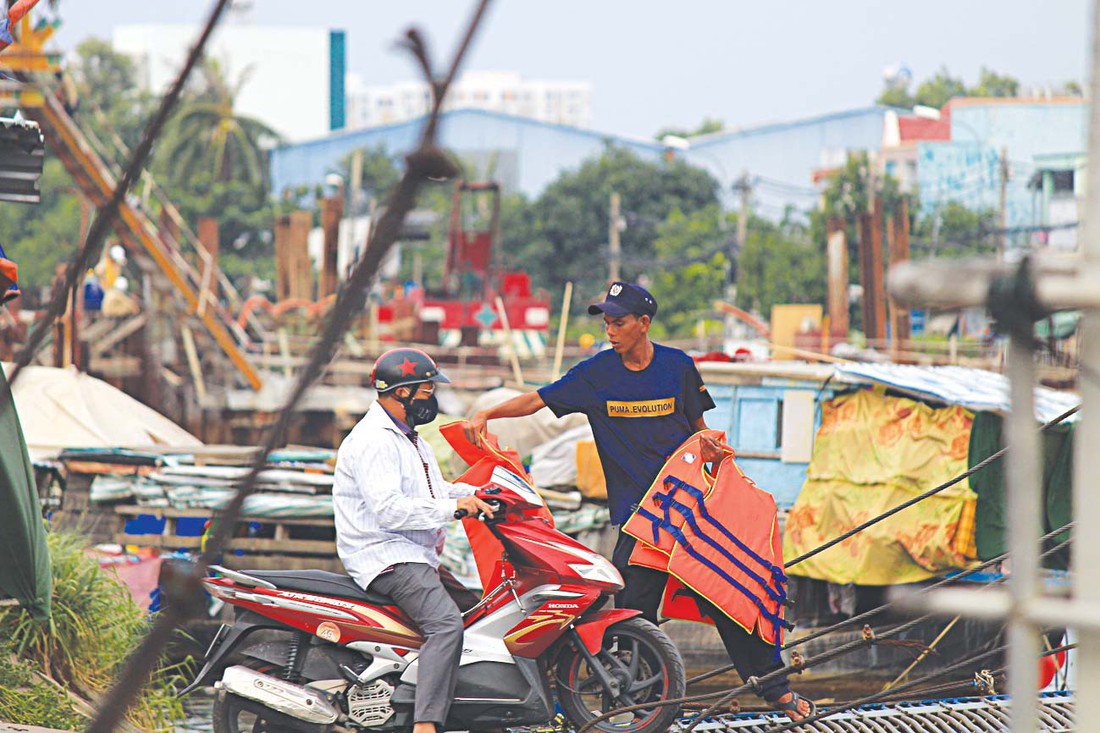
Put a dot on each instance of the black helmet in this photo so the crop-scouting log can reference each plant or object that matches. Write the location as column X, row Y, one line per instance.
column 401, row 367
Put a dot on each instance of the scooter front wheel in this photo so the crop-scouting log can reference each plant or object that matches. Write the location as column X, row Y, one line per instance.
column 638, row 665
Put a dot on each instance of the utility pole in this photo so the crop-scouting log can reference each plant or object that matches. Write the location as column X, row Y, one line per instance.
column 1002, row 221
column 836, row 257
column 614, row 226
column 743, row 186
column 897, row 230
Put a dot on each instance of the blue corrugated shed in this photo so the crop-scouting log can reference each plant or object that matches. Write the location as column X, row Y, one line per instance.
column 527, row 154
column 782, row 157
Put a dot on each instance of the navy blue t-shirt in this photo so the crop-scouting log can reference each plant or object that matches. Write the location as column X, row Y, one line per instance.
column 638, row 418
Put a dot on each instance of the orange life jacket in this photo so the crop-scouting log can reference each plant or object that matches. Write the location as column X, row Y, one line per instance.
column 717, row 535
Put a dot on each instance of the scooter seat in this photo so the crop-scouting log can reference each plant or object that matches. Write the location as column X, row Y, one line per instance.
column 321, row 582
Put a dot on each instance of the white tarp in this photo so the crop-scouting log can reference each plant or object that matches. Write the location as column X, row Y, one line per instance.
column 64, row 408
column 555, row 463
column 524, row 434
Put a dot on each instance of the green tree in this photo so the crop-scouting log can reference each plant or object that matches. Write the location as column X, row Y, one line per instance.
column 896, row 96
column 211, row 135
column 780, row 263
column 953, row 230
column 992, row 84
column 708, row 126
column 691, row 266
column 939, row 90
column 378, row 172
column 1070, row 89
column 39, row 236
column 568, row 239
column 109, row 101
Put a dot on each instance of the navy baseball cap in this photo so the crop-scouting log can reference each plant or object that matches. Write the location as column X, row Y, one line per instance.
column 623, row 299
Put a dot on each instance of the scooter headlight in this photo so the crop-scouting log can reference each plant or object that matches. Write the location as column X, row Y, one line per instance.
column 599, row 570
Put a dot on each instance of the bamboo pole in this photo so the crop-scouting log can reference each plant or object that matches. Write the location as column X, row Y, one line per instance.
column 560, row 347
column 931, row 647
column 193, row 363
column 513, row 356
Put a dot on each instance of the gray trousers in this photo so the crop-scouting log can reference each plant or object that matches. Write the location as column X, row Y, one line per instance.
column 419, row 591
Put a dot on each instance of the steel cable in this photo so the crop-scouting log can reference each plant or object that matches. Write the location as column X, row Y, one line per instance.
column 725, row 696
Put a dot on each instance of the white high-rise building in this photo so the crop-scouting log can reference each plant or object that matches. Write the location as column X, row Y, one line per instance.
column 559, row 102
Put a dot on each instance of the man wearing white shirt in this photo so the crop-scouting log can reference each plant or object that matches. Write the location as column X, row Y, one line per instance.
column 391, row 506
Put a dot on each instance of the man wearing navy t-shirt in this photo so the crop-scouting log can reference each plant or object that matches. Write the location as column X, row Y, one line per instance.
column 643, row 400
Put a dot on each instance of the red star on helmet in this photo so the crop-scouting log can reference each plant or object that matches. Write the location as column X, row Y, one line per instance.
column 408, row 367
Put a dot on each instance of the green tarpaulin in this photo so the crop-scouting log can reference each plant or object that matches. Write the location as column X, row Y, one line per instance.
column 24, row 559
column 991, row 518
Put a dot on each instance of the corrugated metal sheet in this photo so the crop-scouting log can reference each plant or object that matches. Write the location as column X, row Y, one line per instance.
column 974, row 715
column 974, row 389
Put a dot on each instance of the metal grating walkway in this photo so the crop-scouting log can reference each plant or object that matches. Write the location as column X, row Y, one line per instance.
column 958, row 715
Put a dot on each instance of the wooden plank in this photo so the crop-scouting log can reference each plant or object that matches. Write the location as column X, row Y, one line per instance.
column 332, row 211
column 114, row 469
column 253, row 544
column 135, row 511
column 283, row 562
column 115, row 366
column 126, row 328
column 193, row 363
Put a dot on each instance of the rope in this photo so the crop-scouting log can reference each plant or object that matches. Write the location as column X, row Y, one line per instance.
column 875, row 611
column 905, row 687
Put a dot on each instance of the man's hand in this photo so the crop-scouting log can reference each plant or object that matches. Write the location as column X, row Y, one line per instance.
column 473, row 505
column 475, row 428
column 711, row 450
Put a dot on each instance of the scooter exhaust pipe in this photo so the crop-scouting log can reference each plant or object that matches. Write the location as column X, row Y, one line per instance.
column 285, row 697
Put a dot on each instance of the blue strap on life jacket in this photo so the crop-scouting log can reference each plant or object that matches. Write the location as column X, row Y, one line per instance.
column 776, row 571
column 776, row 620
column 667, row 502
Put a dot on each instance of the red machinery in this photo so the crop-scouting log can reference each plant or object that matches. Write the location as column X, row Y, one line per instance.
column 473, row 279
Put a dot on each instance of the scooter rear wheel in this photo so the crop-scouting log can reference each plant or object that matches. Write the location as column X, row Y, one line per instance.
column 648, row 669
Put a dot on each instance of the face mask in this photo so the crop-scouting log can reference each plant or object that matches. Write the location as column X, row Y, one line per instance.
column 421, row 411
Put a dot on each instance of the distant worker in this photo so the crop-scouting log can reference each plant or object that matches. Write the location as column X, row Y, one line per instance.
column 643, row 400
column 392, row 504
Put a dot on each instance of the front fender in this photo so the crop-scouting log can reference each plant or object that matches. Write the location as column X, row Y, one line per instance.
column 591, row 628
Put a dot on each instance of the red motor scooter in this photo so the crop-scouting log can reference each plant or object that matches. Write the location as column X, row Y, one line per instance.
column 334, row 656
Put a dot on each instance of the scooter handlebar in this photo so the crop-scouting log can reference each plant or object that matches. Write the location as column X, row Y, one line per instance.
column 496, row 505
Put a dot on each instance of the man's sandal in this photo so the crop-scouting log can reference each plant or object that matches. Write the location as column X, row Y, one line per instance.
column 791, row 706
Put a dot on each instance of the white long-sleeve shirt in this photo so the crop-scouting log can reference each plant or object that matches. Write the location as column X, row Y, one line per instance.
column 386, row 512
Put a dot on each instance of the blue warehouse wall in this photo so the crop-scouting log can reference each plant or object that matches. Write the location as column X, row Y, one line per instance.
column 525, row 154
column 783, row 157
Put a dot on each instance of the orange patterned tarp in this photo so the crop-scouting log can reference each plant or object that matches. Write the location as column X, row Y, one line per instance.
column 872, row 453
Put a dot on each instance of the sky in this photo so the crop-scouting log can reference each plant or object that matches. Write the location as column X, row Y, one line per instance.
column 656, row 64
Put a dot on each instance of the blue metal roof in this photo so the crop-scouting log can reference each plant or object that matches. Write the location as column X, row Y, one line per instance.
column 539, row 151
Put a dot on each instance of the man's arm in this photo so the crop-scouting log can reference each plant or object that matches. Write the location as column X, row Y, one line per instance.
column 518, row 406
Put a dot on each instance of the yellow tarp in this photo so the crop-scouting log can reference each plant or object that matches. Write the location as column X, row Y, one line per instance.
column 590, row 478
column 871, row 454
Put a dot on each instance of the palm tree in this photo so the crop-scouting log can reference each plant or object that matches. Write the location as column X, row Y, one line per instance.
column 210, row 135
